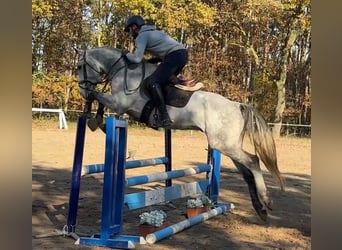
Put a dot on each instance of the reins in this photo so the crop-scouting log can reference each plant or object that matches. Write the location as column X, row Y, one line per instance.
column 131, row 91
column 107, row 77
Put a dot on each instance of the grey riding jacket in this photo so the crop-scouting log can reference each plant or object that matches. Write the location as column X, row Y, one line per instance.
column 157, row 42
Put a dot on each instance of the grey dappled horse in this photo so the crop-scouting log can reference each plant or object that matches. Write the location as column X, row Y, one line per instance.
column 223, row 121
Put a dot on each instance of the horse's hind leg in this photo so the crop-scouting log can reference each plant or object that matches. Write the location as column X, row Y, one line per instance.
column 248, row 177
column 249, row 167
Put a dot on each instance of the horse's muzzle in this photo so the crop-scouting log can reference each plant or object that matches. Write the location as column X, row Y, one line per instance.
column 86, row 91
column 83, row 91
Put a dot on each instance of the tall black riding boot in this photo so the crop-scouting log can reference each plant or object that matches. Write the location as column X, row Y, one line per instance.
column 158, row 100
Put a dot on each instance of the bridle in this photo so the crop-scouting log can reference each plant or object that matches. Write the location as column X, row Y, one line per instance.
column 104, row 77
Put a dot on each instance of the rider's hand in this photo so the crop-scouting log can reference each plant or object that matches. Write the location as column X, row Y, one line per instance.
column 154, row 60
column 124, row 52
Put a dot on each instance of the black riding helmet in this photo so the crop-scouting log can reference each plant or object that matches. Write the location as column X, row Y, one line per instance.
column 137, row 20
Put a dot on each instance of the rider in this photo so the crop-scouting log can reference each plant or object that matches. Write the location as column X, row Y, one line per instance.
column 172, row 54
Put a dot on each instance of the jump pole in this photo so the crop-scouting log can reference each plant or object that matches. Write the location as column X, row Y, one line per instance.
column 180, row 226
column 99, row 168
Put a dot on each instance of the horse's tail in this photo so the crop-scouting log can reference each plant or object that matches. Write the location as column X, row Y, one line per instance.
column 260, row 135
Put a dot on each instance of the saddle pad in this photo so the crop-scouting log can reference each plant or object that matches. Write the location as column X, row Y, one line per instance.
column 198, row 86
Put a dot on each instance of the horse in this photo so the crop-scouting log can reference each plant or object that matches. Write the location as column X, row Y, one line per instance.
column 223, row 121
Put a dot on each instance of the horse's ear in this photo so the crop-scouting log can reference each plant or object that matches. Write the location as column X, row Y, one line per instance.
column 78, row 51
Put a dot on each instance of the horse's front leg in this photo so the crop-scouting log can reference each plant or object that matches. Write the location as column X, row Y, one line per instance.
column 87, row 108
column 104, row 100
column 94, row 122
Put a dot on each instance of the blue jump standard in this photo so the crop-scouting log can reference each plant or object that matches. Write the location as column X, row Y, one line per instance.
column 76, row 175
column 113, row 191
column 114, row 199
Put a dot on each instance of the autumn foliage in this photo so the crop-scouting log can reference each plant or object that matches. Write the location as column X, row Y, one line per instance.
column 256, row 52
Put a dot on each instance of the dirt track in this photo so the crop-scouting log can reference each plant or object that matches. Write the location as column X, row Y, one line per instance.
column 288, row 226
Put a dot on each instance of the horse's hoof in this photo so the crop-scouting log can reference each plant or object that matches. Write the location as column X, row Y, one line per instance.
column 262, row 214
column 269, row 204
column 92, row 124
column 103, row 127
column 87, row 115
column 99, row 119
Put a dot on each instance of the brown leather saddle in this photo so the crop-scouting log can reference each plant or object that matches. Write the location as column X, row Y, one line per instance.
column 177, row 94
column 179, row 81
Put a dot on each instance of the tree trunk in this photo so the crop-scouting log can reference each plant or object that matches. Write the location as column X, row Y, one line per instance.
column 66, row 101
column 278, row 115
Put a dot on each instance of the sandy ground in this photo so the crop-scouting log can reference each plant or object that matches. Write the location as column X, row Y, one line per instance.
column 289, row 225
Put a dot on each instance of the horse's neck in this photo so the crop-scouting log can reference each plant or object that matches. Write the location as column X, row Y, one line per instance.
column 142, row 69
column 126, row 95
column 149, row 68
column 132, row 104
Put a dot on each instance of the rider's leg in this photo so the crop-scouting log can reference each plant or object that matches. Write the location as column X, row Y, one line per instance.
column 176, row 62
column 174, row 80
column 173, row 63
column 158, row 100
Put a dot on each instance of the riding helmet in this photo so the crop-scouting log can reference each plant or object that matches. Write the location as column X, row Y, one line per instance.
column 137, row 20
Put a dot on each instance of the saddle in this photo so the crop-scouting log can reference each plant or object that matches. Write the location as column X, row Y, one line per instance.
column 181, row 82
column 177, row 94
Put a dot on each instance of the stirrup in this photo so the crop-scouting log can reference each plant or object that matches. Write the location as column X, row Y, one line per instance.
column 159, row 123
column 166, row 123
column 165, row 120
column 162, row 123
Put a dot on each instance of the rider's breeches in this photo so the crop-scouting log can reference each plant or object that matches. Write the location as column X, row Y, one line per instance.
column 172, row 64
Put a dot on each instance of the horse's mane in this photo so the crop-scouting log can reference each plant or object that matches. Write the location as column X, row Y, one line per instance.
column 106, row 48
column 115, row 50
column 103, row 54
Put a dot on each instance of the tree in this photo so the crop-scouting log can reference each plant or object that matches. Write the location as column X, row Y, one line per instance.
column 255, row 51
column 295, row 17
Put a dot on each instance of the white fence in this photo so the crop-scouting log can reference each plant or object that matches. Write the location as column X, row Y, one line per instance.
column 62, row 124
column 292, row 129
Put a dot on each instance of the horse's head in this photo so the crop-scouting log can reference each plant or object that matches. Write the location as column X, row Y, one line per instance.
column 95, row 66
